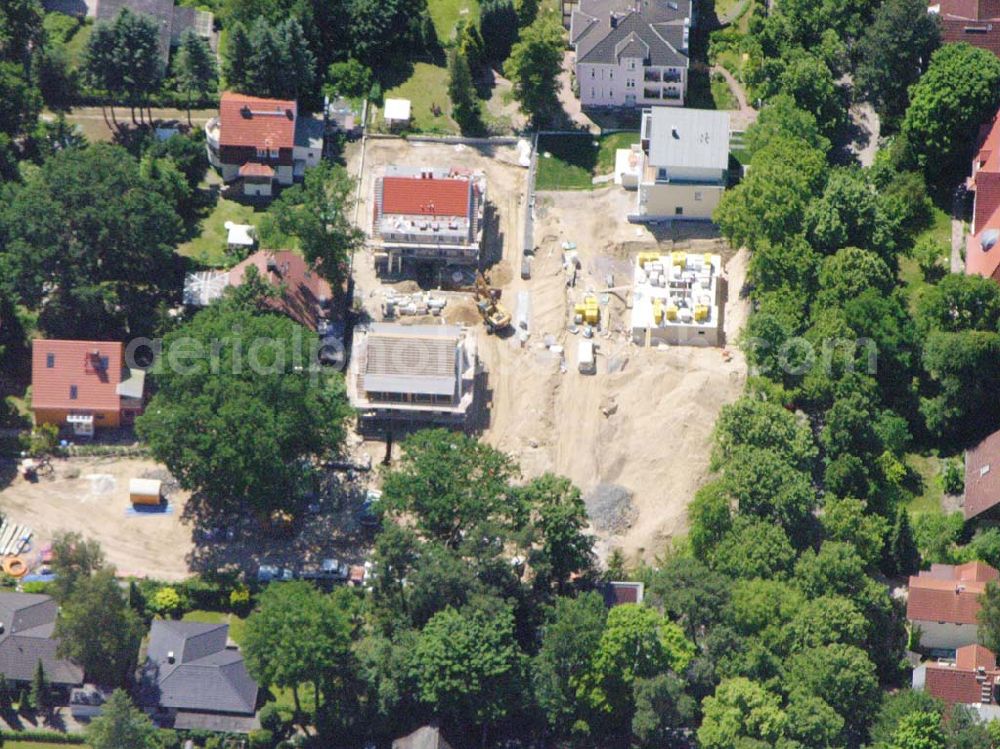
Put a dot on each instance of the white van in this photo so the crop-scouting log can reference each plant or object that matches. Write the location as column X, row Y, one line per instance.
column 586, row 361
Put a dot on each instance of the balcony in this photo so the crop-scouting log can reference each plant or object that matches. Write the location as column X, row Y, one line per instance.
column 652, row 76
column 672, row 76
column 651, row 93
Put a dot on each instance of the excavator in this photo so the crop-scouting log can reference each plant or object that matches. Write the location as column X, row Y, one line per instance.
column 495, row 315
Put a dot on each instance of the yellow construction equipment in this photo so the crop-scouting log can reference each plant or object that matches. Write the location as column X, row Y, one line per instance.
column 495, row 315
column 700, row 312
column 671, row 312
column 657, row 311
column 589, row 309
column 678, row 257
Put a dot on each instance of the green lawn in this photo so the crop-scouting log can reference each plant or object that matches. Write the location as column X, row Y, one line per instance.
column 927, row 468
column 446, row 13
column 570, row 162
column 209, row 247
column 237, row 625
column 427, row 88
column 76, row 45
column 722, row 95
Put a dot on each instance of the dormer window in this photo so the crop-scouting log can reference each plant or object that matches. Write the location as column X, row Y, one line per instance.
column 72, row 392
column 50, row 361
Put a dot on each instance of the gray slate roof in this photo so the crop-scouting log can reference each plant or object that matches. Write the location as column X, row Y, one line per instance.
column 204, row 675
column 28, row 623
column 418, row 359
column 697, row 138
column 657, row 23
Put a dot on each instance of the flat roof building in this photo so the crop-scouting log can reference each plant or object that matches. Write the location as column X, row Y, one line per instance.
column 681, row 164
column 421, row 373
column 676, row 299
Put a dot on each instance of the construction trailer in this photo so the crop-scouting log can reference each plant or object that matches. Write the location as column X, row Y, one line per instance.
column 676, row 299
column 145, row 491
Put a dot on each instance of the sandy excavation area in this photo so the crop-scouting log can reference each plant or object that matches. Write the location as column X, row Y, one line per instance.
column 90, row 496
column 645, row 426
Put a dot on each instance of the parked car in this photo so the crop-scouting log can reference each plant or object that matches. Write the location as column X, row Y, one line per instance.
column 268, row 573
column 330, row 569
column 368, row 514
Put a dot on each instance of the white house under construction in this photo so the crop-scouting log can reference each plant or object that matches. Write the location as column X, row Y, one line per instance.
column 676, row 299
column 428, row 214
column 415, row 373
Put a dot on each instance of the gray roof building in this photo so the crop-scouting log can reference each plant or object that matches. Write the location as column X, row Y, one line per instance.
column 686, row 139
column 27, row 623
column 196, row 680
column 604, row 31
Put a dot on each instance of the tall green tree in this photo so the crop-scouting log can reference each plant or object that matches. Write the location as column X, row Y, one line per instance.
column 237, row 417
column 318, row 214
column 498, row 24
column 466, row 666
column 97, row 629
column 41, row 696
column 894, row 51
column 462, row 92
column 270, row 59
column 74, row 558
column 299, row 636
column 451, row 483
column 959, row 92
column 194, row 67
column 741, row 709
column 533, row 66
column 121, row 725
column 93, row 273
column 20, row 29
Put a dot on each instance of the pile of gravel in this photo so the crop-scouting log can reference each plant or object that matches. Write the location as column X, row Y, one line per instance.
column 610, row 508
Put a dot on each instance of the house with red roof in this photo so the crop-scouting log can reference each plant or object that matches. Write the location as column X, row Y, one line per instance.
column 982, row 256
column 84, row 385
column 428, row 215
column 303, row 294
column 259, row 143
column 971, row 679
column 976, row 22
column 982, row 479
column 943, row 603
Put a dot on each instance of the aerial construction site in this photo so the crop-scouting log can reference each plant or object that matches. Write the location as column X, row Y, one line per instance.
column 616, row 358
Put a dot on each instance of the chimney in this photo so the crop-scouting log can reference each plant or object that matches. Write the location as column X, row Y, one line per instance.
column 170, row 657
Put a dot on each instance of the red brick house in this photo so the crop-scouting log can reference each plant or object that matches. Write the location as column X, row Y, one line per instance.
column 262, row 142
column 982, row 255
column 84, row 385
column 943, row 602
column 976, row 22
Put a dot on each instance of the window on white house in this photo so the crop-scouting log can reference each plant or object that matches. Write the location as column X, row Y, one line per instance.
column 631, row 64
column 697, row 196
column 261, row 153
column 593, row 73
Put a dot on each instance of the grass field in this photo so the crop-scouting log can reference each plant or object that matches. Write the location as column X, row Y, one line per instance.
column 574, row 160
column 722, row 95
column 427, row 88
column 237, row 626
column 909, row 272
column 209, row 247
column 446, row 13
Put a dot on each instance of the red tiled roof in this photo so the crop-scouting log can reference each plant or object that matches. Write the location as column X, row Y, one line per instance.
column 982, row 477
column 418, row 196
column 951, row 685
column 258, row 123
column 972, row 657
column 75, row 363
column 948, row 593
column 252, row 169
column 957, row 682
column 985, row 181
column 305, row 289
